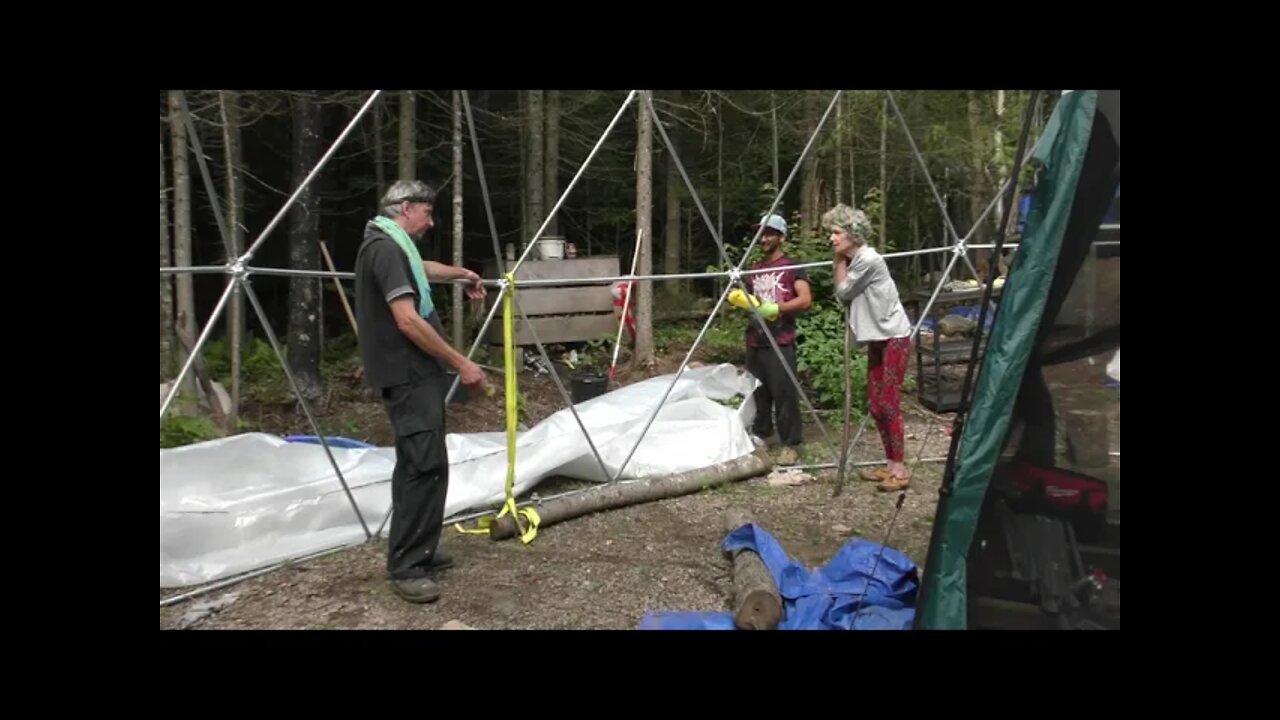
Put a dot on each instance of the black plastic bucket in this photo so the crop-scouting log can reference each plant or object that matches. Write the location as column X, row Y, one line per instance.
column 585, row 385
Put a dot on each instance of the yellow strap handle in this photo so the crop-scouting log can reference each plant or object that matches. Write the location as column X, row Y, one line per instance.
column 484, row 524
column 529, row 531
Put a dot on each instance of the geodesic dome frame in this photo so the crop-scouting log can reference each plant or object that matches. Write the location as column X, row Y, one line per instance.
column 239, row 270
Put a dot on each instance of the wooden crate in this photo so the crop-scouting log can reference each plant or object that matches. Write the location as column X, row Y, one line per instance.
column 559, row 314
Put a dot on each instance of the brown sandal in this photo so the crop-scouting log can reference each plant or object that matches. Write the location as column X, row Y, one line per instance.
column 895, row 483
column 877, row 475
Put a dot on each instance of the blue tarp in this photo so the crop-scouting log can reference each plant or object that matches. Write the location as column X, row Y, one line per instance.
column 971, row 312
column 968, row 312
column 842, row 595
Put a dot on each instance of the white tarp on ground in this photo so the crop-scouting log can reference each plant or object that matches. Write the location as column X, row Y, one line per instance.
column 240, row 503
column 1113, row 367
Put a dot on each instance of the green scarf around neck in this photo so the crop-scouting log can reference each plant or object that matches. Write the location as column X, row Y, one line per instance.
column 397, row 233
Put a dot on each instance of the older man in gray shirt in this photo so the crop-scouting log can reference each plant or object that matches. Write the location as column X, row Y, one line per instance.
column 407, row 359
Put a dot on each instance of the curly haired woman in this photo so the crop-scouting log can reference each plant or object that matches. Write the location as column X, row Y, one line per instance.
column 878, row 321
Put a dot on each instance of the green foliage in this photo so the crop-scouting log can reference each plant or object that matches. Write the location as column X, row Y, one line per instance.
column 176, row 431
column 723, row 343
column 873, row 206
column 806, row 248
column 522, row 408
column 820, row 356
column 261, row 376
column 341, row 356
column 258, row 362
column 594, row 355
column 217, row 359
column 670, row 334
column 725, row 339
column 673, row 296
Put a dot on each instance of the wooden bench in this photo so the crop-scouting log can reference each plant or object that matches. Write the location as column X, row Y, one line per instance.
column 560, row 314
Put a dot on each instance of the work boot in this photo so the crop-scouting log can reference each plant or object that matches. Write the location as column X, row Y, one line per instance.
column 440, row 559
column 416, row 590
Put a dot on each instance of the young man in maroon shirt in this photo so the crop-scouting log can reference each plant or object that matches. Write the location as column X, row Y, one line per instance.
column 788, row 289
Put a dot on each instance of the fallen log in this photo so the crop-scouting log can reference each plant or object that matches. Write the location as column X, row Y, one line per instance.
column 609, row 497
column 756, row 603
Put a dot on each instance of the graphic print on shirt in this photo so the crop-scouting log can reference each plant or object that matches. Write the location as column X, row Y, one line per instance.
column 770, row 288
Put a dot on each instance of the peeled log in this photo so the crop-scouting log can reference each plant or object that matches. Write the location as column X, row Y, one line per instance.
column 609, row 497
column 756, row 603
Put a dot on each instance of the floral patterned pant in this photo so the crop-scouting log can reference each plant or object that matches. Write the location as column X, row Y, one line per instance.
column 886, row 369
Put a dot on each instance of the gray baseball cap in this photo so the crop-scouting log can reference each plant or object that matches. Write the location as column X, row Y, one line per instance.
column 773, row 221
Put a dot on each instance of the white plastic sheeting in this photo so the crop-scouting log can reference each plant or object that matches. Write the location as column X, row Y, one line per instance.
column 236, row 504
column 1113, row 367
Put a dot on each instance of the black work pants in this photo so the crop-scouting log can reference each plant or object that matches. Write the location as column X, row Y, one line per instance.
column 776, row 392
column 420, row 480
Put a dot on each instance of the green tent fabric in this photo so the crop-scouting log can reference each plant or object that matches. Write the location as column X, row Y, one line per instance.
column 1062, row 151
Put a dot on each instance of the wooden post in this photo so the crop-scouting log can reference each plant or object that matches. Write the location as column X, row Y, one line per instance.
column 337, row 284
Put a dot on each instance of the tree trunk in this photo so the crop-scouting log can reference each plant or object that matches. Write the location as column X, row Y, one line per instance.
column 458, row 335
column 379, row 170
column 643, row 356
column 756, row 602
column 526, row 232
column 229, row 102
column 611, row 496
column 809, row 185
column 997, row 157
column 719, row 173
column 185, row 322
column 671, row 236
column 853, row 139
column 408, row 156
column 915, row 227
column 552, row 165
column 978, row 194
column 671, row 247
column 166, row 281
column 884, row 175
column 840, row 150
column 773, row 113
column 303, row 346
column 535, row 180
